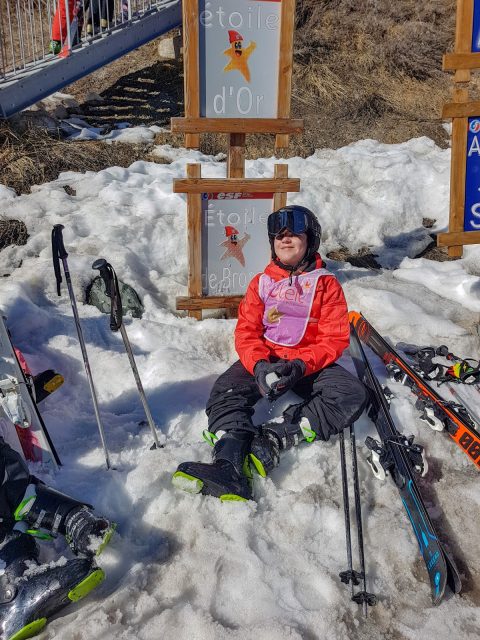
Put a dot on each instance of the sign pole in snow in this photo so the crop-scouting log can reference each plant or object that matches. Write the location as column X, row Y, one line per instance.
column 238, row 61
column 464, row 225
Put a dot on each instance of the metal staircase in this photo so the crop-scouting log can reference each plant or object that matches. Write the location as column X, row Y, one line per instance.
column 28, row 72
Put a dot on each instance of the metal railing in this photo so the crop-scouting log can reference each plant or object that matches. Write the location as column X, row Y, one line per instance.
column 33, row 32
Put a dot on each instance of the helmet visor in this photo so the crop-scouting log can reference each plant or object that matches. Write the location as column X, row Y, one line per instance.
column 295, row 221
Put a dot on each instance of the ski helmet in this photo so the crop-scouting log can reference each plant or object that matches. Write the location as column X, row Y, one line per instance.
column 298, row 220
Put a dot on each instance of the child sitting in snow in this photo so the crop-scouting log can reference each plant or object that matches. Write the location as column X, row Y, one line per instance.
column 292, row 323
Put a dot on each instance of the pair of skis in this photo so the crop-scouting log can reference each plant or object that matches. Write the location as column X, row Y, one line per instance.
column 397, row 456
column 60, row 255
column 459, row 425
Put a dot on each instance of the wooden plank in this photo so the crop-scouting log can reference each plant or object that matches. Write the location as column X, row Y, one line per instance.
column 457, row 239
column 280, row 199
column 454, row 61
column 236, row 155
column 191, row 67
column 461, row 110
column 458, row 170
column 207, row 302
column 463, row 36
column 285, row 67
column 236, row 125
column 464, row 26
column 237, row 185
column 455, row 252
column 194, row 227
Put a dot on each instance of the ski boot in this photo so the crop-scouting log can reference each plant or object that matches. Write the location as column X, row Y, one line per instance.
column 227, row 477
column 48, row 509
column 275, row 437
column 30, row 595
column 55, row 46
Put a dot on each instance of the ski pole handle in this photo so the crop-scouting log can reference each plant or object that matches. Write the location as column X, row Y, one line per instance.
column 102, row 265
column 57, row 235
column 58, row 253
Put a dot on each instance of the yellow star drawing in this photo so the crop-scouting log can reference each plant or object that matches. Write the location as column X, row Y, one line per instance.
column 239, row 56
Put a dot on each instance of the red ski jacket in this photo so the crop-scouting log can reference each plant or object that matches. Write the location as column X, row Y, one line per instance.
column 327, row 334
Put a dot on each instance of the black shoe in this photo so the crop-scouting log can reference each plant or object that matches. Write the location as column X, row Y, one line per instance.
column 228, row 477
column 275, row 437
column 29, row 597
column 265, row 453
column 218, row 479
column 87, row 534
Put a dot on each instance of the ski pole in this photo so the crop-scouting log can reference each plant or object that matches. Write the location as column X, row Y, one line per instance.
column 59, row 253
column 361, row 597
column 349, row 576
column 116, row 323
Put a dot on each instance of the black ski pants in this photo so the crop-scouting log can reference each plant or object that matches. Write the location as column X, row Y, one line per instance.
column 332, row 399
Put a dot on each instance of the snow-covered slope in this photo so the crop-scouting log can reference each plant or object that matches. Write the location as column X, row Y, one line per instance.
column 192, row 568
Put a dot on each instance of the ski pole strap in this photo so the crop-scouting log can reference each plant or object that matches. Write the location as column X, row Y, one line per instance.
column 116, row 311
column 107, row 273
column 58, row 252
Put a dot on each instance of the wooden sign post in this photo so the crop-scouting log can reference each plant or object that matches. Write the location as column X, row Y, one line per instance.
column 238, row 60
column 464, row 225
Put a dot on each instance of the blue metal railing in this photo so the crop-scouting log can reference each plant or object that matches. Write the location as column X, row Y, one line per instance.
column 92, row 35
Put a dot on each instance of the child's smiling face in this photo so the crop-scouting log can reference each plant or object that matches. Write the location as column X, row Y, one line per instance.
column 290, row 248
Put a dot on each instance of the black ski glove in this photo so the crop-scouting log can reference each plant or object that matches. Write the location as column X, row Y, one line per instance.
column 261, row 370
column 290, row 373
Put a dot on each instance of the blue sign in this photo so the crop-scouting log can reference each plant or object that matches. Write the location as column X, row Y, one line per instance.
column 476, row 26
column 472, row 179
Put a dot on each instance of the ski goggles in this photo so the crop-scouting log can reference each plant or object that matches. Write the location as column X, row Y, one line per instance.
column 295, row 221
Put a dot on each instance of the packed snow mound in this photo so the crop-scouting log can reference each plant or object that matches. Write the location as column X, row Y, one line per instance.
column 184, row 567
column 366, row 195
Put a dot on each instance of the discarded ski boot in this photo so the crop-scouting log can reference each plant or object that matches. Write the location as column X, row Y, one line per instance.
column 30, row 595
column 46, row 383
column 275, row 437
column 227, row 477
column 45, row 508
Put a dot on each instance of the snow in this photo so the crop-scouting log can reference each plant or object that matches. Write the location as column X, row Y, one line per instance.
column 189, row 567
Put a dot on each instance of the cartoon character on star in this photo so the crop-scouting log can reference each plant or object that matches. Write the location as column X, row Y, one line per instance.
column 238, row 55
column 234, row 246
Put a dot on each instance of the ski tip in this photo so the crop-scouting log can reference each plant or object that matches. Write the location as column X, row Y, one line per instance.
column 354, row 317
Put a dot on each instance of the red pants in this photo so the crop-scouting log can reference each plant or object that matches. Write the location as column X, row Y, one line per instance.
column 59, row 25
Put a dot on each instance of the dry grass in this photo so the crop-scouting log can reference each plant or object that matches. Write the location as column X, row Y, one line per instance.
column 36, row 156
column 371, row 69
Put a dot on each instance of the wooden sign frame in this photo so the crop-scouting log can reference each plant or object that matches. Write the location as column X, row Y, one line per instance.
column 193, row 124
column 462, row 61
column 194, row 185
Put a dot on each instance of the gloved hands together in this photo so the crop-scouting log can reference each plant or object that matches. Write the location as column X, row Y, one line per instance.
column 288, row 374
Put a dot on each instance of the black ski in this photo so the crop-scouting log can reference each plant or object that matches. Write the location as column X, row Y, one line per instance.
column 397, row 456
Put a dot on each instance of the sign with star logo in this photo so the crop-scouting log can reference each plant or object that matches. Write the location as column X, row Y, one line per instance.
column 235, row 244
column 239, row 58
